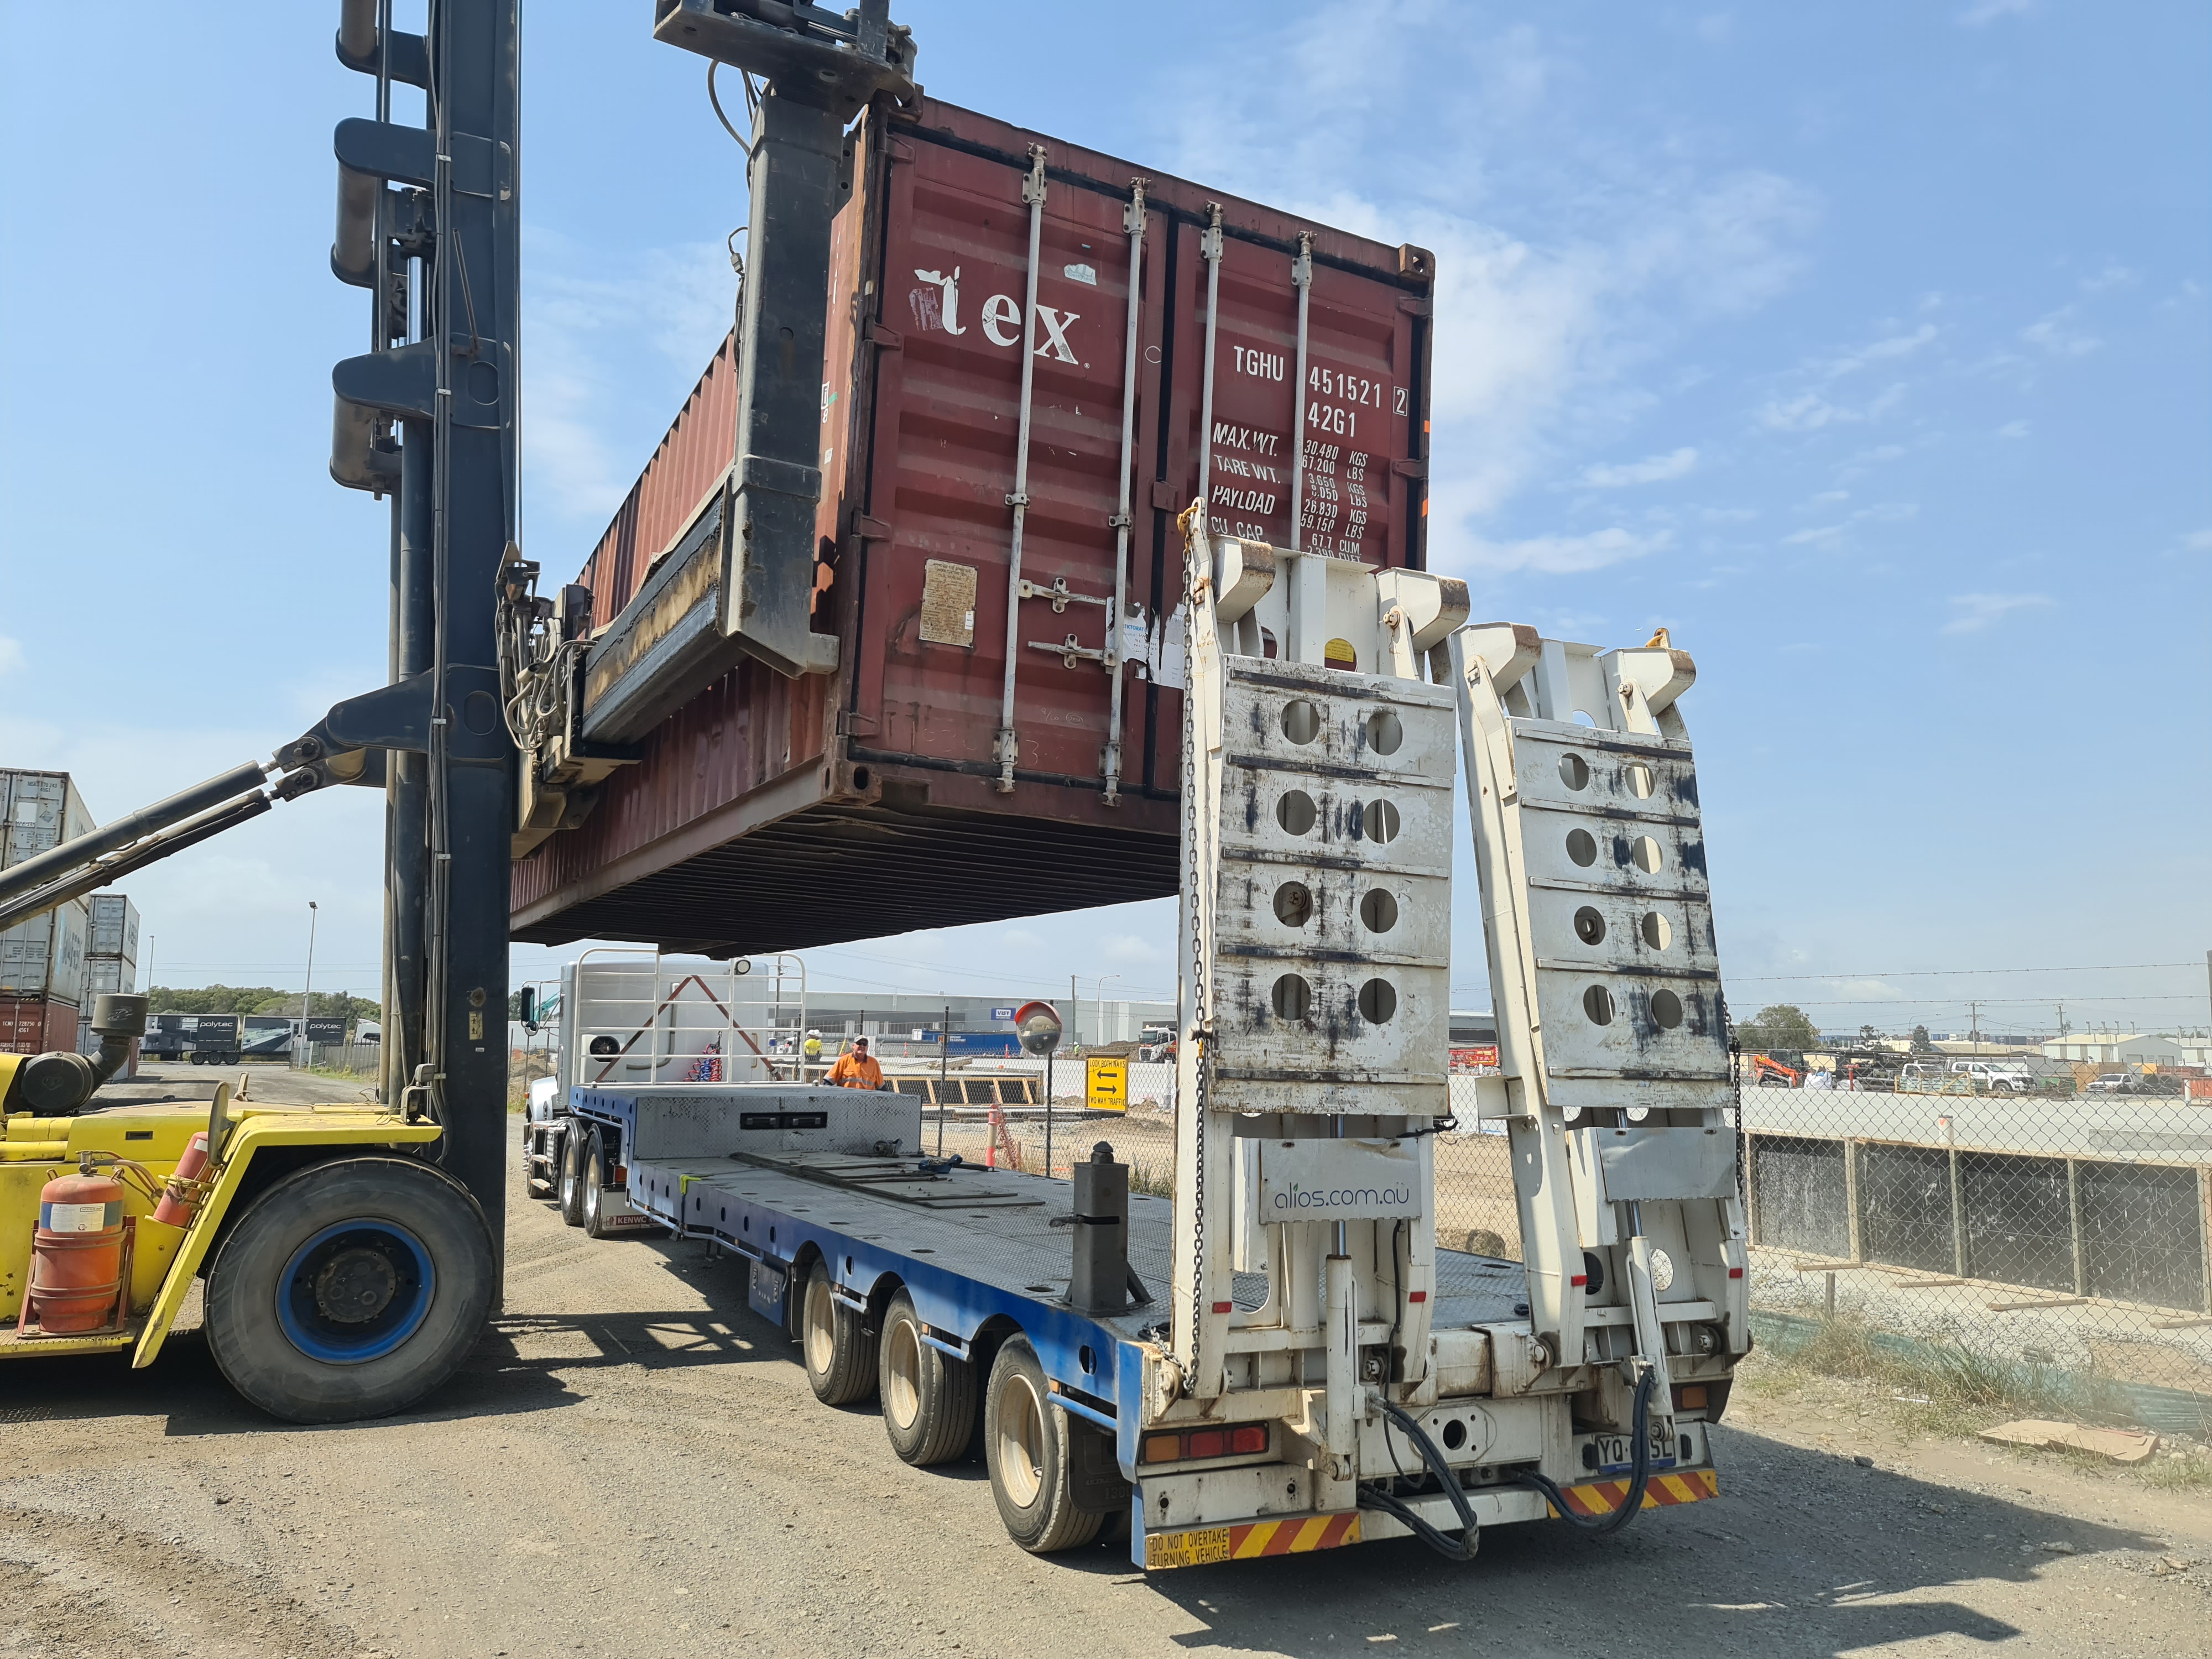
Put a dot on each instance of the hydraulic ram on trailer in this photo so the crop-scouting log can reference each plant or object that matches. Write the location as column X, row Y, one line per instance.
column 1283, row 1359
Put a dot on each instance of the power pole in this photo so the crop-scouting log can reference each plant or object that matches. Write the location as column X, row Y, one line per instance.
column 1974, row 1025
column 307, row 986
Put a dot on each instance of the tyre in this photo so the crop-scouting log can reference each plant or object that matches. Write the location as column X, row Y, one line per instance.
column 835, row 1344
column 1025, row 1442
column 572, row 1176
column 595, row 1188
column 350, row 1289
column 928, row 1396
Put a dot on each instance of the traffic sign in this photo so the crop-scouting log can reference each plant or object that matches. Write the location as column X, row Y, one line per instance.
column 1002, row 1013
column 1106, row 1085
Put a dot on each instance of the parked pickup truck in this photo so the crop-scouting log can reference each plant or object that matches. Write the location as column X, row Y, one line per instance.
column 1993, row 1079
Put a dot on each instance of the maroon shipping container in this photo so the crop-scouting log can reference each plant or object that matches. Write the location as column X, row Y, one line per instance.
column 776, row 814
column 36, row 1024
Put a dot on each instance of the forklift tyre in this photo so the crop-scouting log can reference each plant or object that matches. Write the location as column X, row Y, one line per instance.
column 929, row 1397
column 572, row 1176
column 350, row 1289
column 834, row 1342
column 1026, row 1444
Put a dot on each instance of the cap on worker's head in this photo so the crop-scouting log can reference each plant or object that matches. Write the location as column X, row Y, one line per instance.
column 815, row 1032
column 860, row 1043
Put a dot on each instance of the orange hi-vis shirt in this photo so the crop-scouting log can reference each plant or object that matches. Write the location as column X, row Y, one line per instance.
column 856, row 1071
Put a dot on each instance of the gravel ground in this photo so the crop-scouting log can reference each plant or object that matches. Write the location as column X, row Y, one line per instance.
column 633, row 1462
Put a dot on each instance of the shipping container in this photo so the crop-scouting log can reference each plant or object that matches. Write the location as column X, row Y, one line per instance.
column 773, row 813
column 44, row 956
column 115, row 928
column 36, row 1024
column 104, row 976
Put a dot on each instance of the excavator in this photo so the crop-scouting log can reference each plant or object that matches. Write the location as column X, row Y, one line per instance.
column 349, row 1258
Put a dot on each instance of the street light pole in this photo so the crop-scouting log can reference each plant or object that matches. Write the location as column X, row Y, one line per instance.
column 308, row 989
column 1098, row 1005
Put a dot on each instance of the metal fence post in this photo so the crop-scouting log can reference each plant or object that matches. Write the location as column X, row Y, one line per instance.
column 1851, row 1199
column 2074, row 1226
column 1958, row 1218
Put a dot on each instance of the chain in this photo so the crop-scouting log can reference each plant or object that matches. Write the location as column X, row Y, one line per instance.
column 1202, row 1027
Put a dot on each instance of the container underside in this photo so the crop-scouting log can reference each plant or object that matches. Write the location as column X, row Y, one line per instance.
column 831, row 873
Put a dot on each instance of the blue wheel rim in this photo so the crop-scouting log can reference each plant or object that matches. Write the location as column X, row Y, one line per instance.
column 309, row 1323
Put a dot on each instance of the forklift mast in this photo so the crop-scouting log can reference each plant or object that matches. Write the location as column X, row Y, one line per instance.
column 427, row 223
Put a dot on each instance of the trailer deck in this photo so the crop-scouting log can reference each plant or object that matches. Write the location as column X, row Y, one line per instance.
column 997, row 1224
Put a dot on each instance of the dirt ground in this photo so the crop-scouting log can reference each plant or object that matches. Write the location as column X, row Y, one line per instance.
column 633, row 1463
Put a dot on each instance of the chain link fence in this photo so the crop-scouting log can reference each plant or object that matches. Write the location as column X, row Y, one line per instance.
column 2049, row 1221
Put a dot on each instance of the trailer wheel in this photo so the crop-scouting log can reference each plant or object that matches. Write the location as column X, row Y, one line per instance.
column 1025, row 1442
column 929, row 1397
column 594, row 1184
column 839, row 1350
column 350, row 1289
column 572, row 1176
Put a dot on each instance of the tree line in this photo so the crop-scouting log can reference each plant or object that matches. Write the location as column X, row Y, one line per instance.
column 259, row 999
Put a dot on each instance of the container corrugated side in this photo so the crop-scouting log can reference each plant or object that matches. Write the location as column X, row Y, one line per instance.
column 114, row 928
column 36, row 1024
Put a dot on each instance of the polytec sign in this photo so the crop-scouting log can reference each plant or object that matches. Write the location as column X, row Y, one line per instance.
column 1340, row 1181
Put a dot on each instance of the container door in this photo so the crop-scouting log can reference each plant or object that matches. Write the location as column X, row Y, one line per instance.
column 932, row 640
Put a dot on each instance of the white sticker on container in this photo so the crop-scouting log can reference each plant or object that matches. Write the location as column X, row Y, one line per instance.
column 74, row 1218
column 1080, row 274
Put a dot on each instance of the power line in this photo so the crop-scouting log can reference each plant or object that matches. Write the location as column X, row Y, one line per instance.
column 1934, row 973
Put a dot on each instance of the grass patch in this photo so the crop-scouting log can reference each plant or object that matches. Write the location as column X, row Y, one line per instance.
column 1951, row 1388
column 1154, row 1180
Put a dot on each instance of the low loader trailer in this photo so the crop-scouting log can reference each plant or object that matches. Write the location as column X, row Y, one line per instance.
column 1281, row 1358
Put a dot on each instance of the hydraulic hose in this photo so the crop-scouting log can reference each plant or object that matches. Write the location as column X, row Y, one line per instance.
column 1639, row 1478
column 1461, row 1548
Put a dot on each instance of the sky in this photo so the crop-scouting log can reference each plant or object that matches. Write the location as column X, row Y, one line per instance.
column 1863, row 346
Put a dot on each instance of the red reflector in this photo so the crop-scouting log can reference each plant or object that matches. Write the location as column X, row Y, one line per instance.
column 1690, row 1397
column 1579, row 1279
column 1208, row 1442
column 1417, row 1296
column 621, row 1174
column 1163, row 1447
column 1252, row 1438
column 1225, row 1306
column 1736, row 1272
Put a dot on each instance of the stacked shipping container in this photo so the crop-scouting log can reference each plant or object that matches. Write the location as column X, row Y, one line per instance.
column 41, row 961
column 771, row 813
column 111, row 965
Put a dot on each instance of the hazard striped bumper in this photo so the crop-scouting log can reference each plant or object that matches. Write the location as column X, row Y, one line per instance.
column 1201, row 1547
column 1661, row 1491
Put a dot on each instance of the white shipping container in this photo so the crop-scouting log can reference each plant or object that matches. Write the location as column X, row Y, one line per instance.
column 105, row 976
column 45, row 956
column 115, row 928
column 38, row 811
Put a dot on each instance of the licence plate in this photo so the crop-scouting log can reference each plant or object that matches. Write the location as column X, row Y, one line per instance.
column 1616, row 1451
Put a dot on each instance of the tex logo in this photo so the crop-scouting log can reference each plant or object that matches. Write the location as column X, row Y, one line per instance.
column 936, row 304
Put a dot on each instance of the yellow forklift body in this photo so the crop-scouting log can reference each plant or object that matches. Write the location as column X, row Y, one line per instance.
column 164, row 1259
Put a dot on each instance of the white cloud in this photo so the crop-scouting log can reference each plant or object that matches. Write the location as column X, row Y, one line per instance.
column 11, row 655
column 2197, row 541
column 2056, row 335
column 1557, row 556
column 1977, row 611
column 1988, row 12
column 1889, row 347
column 2013, row 429
column 1566, row 259
column 1827, row 533
column 1809, row 411
column 1656, row 469
column 2113, row 276
column 594, row 417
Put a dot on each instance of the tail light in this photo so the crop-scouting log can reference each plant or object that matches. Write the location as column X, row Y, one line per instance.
column 1238, row 1440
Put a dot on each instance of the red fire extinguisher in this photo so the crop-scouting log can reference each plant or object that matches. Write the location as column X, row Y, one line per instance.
column 77, row 1255
column 180, row 1199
